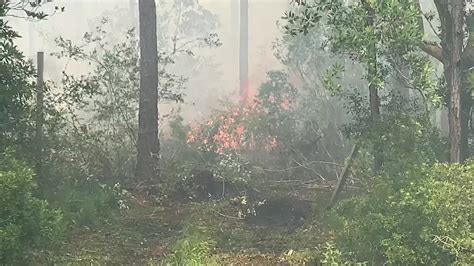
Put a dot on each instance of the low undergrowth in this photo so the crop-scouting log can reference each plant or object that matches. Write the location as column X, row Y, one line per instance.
column 194, row 233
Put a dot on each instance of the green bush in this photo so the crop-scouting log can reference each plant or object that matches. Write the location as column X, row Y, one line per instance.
column 25, row 221
column 423, row 216
column 87, row 201
column 300, row 257
column 194, row 249
column 333, row 256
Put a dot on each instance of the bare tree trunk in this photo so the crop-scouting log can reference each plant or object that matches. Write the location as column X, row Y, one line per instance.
column 457, row 66
column 452, row 51
column 148, row 145
column 39, row 116
column 466, row 106
column 244, row 50
column 468, row 87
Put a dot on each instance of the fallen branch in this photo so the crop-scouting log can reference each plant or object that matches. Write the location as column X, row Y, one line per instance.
column 304, row 166
column 227, row 216
column 344, row 174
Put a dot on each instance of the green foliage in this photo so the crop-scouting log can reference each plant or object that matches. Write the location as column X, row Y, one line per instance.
column 194, row 249
column 277, row 99
column 282, row 128
column 216, row 146
column 93, row 120
column 26, row 222
column 88, row 202
column 15, row 88
column 383, row 37
column 304, row 122
column 405, row 131
column 395, row 26
column 421, row 216
column 331, row 255
column 303, row 257
column 30, row 8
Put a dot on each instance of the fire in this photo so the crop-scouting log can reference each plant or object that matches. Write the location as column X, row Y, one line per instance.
column 231, row 133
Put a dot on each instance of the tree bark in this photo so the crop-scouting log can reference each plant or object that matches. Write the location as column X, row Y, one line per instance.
column 39, row 116
column 244, row 50
column 457, row 67
column 344, row 174
column 148, row 145
column 467, row 62
column 374, row 99
column 434, row 50
column 452, row 12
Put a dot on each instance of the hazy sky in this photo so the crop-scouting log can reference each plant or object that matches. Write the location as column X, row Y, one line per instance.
column 84, row 15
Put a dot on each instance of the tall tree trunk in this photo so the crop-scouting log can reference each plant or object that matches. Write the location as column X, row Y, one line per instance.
column 467, row 62
column 452, row 51
column 375, row 116
column 466, row 98
column 148, row 145
column 374, row 99
column 457, row 68
column 244, row 50
column 39, row 116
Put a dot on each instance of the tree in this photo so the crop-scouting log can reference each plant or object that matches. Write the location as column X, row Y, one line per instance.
column 377, row 35
column 112, row 90
column 374, row 87
column 244, row 50
column 148, row 145
column 29, row 9
column 458, row 61
column 93, row 118
column 15, row 87
column 453, row 44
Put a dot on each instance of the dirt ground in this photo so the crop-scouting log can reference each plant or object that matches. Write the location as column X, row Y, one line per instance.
column 147, row 232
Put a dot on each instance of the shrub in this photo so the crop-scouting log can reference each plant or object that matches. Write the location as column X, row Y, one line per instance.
column 87, row 201
column 25, row 221
column 423, row 216
column 194, row 249
column 333, row 256
column 302, row 257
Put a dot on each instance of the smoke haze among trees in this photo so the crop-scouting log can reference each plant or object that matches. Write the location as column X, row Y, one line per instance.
column 237, row 132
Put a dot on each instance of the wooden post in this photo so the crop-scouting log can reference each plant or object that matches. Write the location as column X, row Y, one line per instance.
column 39, row 115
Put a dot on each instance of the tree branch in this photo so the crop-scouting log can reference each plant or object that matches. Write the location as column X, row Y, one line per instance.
column 434, row 50
column 431, row 48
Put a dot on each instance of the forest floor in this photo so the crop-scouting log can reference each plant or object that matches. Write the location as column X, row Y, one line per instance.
column 148, row 231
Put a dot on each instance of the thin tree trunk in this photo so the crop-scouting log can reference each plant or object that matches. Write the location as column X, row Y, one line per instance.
column 466, row 106
column 375, row 118
column 39, row 115
column 374, row 99
column 148, row 145
column 452, row 51
column 244, row 50
column 468, row 86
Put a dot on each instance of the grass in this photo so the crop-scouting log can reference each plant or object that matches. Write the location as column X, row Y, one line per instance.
column 147, row 232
